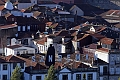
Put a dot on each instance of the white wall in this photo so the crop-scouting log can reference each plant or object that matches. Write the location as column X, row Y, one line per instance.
column 41, row 48
column 102, row 55
column 79, row 11
column 21, row 49
column 60, row 48
column 9, row 51
column 49, row 41
column 74, row 44
column 13, row 41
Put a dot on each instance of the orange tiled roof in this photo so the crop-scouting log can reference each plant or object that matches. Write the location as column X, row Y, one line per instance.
column 14, row 46
column 106, row 40
column 8, row 26
column 1, row 7
column 12, row 58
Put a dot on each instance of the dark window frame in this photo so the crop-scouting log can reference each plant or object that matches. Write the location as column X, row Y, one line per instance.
column 5, row 67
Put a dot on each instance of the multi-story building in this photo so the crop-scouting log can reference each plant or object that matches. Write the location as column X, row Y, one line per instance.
column 8, row 64
column 114, row 64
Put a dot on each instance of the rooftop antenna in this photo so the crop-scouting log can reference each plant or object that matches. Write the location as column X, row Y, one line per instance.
column 38, row 32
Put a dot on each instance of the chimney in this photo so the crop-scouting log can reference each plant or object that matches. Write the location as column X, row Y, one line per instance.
column 32, row 36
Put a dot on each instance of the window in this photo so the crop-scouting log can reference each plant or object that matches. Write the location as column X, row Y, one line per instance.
column 28, row 28
column 22, row 65
column 90, row 76
column 112, row 70
column 23, row 28
column 65, row 77
column 118, row 58
column 25, row 41
column 14, row 65
column 19, row 28
column 112, row 58
column 105, row 78
column 78, row 76
column 4, row 77
column 84, row 76
column 105, row 70
column 38, row 78
column 4, row 66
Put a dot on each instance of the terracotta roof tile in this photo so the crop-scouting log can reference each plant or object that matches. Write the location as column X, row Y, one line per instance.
column 7, row 15
column 2, row 2
column 77, row 27
column 82, row 36
column 14, row 46
column 35, row 65
column 42, row 41
column 8, row 26
column 54, row 25
column 103, row 49
column 1, row 7
column 106, row 40
column 36, row 13
column 98, row 36
column 111, row 14
column 48, row 23
column 117, row 25
column 12, row 58
column 66, row 33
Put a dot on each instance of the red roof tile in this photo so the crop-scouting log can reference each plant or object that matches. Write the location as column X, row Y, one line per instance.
column 98, row 36
column 106, row 40
column 42, row 41
column 14, row 46
column 66, row 33
column 1, row 7
column 8, row 26
column 103, row 49
column 12, row 58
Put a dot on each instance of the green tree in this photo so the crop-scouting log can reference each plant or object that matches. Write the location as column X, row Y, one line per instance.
column 51, row 73
column 16, row 75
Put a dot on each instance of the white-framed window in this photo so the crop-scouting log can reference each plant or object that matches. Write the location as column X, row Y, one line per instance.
column 4, row 77
column 23, row 28
column 19, row 28
column 28, row 28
